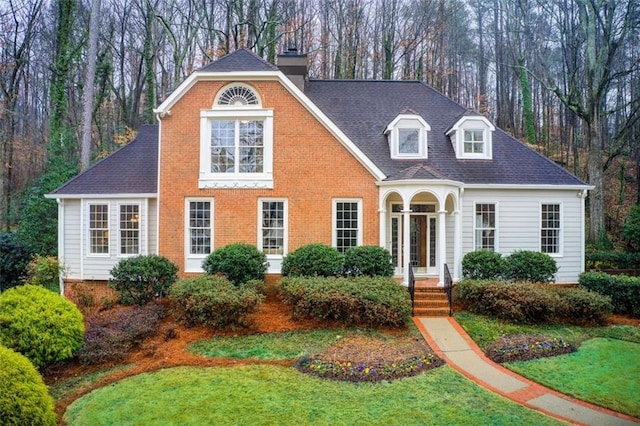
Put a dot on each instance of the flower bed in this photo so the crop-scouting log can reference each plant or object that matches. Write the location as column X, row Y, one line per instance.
column 524, row 347
column 360, row 359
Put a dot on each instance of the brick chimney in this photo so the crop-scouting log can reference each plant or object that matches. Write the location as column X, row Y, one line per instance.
column 294, row 66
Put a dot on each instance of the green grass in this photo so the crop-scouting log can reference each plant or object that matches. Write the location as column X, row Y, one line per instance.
column 268, row 395
column 605, row 372
column 274, row 346
column 484, row 330
column 61, row 390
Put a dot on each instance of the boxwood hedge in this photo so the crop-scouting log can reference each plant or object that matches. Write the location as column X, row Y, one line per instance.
column 623, row 290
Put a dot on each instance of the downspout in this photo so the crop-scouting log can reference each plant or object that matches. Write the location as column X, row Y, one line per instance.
column 61, row 267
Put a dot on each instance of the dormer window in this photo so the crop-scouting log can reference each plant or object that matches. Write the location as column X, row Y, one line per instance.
column 473, row 142
column 407, row 136
column 471, row 137
column 236, row 141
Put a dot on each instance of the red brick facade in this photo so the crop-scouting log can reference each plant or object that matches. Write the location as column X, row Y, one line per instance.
column 310, row 169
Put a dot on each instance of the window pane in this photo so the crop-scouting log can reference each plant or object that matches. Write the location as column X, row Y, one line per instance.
column 273, row 223
column 473, row 141
column 199, row 227
column 347, row 230
column 129, row 229
column 99, row 229
column 550, row 228
column 408, row 141
column 485, row 224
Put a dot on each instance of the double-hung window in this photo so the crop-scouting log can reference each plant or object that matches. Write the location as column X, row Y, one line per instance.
column 273, row 227
column 550, row 228
column 99, row 229
column 347, row 220
column 236, row 141
column 198, row 232
column 129, row 229
column 473, row 142
column 485, row 227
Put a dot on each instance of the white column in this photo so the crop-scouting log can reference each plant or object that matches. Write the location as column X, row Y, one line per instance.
column 406, row 243
column 457, row 245
column 383, row 228
column 442, row 245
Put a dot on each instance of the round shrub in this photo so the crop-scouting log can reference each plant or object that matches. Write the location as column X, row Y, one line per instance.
column 24, row 398
column 313, row 260
column 238, row 262
column 137, row 280
column 368, row 260
column 14, row 258
column 40, row 324
column 531, row 266
column 483, row 265
column 213, row 301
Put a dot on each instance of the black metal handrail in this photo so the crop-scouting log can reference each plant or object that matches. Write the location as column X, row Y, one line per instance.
column 448, row 288
column 412, row 287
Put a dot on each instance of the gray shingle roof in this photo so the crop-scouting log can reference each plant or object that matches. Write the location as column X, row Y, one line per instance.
column 133, row 169
column 239, row 60
column 363, row 109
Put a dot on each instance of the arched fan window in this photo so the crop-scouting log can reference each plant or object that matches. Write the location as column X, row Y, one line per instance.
column 238, row 96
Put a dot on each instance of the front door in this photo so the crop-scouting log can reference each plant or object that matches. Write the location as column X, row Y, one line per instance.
column 422, row 240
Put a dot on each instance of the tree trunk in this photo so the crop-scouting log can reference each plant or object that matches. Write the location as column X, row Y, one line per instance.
column 594, row 167
column 87, row 95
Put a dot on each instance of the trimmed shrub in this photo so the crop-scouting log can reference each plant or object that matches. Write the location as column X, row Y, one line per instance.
column 138, row 280
column 40, row 324
column 44, row 271
column 371, row 301
column 112, row 334
column 14, row 258
column 238, row 262
column 579, row 305
column 313, row 260
column 623, row 290
column 467, row 291
column 213, row 301
column 483, row 265
column 525, row 347
column 531, row 266
column 371, row 261
column 24, row 398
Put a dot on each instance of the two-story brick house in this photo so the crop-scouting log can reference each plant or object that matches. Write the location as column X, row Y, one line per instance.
column 244, row 151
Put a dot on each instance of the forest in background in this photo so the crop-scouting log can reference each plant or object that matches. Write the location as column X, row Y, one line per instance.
column 78, row 77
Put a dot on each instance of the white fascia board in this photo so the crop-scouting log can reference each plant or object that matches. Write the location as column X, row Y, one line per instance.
column 413, row 182
column 99, row 196
column 482, row 118
column 165, row 107
column 527, row 186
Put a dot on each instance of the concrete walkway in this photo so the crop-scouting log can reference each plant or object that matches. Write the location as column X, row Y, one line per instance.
column 451, row 343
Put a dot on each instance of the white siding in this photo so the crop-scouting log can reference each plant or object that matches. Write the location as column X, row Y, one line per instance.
column 518, row 224
column 79, row 263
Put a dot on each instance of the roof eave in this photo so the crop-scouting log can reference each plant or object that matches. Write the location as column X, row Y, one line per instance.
column 55, row 196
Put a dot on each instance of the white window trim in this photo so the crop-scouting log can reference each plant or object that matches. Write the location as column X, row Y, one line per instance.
column 193, row 262
column 496, row 247
column 393, row 133
column 469, row 123
column 334, row 213
column 560, row 252
column 141, row 250
column 236, row 180
column 88, row 229
column 274, row 260
column 236, row 84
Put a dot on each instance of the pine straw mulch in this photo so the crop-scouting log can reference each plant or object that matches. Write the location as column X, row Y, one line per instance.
column 168, row 349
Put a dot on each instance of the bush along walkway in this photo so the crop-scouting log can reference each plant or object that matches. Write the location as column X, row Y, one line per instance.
column 451, row 343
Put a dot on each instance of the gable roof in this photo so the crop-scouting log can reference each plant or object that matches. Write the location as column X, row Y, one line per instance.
column 239, row 60
column 363, row 108
column 133, row 169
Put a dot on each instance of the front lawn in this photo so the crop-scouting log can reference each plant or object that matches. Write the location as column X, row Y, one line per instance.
column 604, row 371
column 263, row 394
